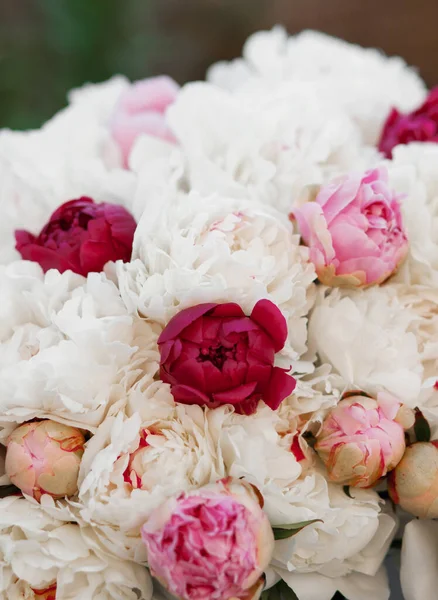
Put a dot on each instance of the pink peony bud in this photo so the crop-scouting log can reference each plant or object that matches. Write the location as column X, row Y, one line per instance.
column 211, row 544
column 43, row 457
column 360, row 440
column 354, row 230
column 414, row 482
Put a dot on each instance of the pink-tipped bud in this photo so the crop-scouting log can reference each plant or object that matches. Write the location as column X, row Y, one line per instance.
column 211, row 544
column 360, row 440
column 43, row 457
column 414, row 482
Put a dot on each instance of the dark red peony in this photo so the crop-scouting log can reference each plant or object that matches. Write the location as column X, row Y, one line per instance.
column 420, row 125
column 213, row 354
column 81, row 236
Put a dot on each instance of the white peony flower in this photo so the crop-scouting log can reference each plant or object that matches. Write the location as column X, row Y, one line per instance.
column 71, row 156
column 422, row 301
column 236, row 250
column 361, row 82
column 419, row 574
column 366, row 336
column 351, row 535
column 413, row 172
column 265, row 146
column 68, row 348
column 39, row 552
column 132, row 465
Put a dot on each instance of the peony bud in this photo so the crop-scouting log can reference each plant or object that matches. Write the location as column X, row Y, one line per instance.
column 210, row 544
column 414, row 482
column 43, row 457
column 360, row 440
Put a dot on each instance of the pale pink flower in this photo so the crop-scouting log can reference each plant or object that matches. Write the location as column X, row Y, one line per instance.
column 210, row 544
column 361, row 440
column 142, row 109
column 354, row 230
column 414, row 482
column 43, row 457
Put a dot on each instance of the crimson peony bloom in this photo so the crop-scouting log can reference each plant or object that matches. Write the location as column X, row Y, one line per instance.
column 81, row 236
column 421, row 125
column 213, row 354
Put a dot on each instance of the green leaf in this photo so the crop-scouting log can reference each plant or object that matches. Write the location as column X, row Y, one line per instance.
column 280, row 591
column 421, row 428
column 347, row 491
column 282, row 532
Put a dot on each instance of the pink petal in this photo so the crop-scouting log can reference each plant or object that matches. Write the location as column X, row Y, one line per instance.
column 182, row 319
column 266, row 314
column 281, row 385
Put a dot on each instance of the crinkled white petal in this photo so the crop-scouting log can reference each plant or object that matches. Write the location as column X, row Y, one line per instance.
column 182, row 454
column 68, row 347
column 37, row 550
column 366, row 336
column 362, row 82
column 352, row 534
column 266, row 146
column 414, row 174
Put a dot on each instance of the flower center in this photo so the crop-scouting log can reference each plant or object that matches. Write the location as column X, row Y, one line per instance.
column 48, row 593
column 131, row 473
column 217, row 354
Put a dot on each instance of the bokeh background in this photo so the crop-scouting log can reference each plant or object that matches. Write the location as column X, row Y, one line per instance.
column 50, row 46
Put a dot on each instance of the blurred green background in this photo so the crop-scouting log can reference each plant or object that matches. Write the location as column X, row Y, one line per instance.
column 49, row 46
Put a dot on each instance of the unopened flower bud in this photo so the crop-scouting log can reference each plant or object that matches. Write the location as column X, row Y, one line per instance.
column 43, row 457
column 414, row 482
column 360, row 440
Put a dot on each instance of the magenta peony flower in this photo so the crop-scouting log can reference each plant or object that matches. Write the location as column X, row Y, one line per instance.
column 211, row 544
column 142, row 109
column 354, row 230
column 81, row 236
column 414, row 482
column 213, row 354
column 360, row 440
column 421, row 125
column 43, row 457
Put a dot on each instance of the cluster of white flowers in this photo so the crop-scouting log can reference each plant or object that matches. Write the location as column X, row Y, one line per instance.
column 215, row 225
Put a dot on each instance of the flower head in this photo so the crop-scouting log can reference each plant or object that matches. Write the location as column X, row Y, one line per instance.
column 360, row 441
column 142, row 109
column 212, row 544
column 43, row 457
column 414, row 482
column 81, row 236
column 420, row 125
column 354, row 230
column 214, row 354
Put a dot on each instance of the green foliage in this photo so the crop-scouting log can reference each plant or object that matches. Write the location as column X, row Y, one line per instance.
column 280, row 591
column 282, row 532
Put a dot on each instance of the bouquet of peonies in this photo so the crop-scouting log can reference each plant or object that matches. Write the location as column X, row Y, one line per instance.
column 219, row 334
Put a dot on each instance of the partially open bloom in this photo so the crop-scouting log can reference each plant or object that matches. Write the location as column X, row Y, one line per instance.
column 354, row 230
column 360, row 441
column 414, row 482
column 211, row 544
column 81, row 236
column 420, row 125
column 214, row 354
column 43, row 457
column 142, row 109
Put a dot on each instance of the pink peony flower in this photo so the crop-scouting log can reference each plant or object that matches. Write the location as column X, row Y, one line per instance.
column 142, row 109
column 354, row 230
column 211, row 544
column 81, row 236
column 421, row 125
column 360, row 440
column 213, row 354
column 414, row 482
column 43, row 457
